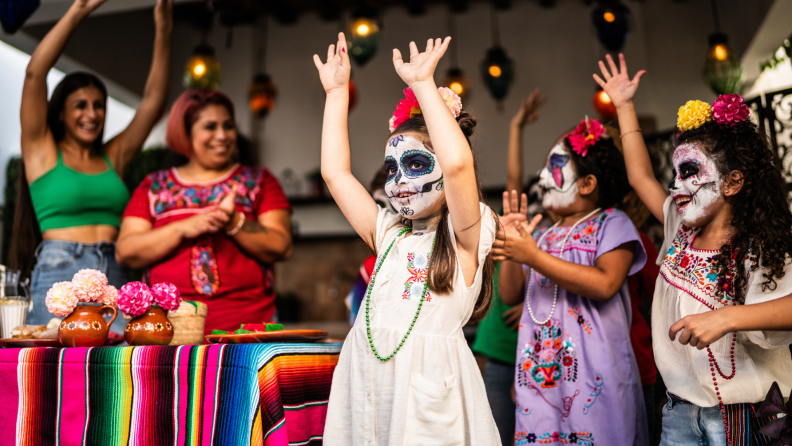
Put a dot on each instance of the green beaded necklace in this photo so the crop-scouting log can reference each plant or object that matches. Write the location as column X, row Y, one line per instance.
column 368, row 299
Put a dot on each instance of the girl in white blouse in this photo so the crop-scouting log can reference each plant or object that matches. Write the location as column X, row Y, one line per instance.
column 406, row 375
column 722, row 311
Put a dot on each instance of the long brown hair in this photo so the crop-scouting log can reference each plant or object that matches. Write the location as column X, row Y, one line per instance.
column 26, row 235
column 443, row 261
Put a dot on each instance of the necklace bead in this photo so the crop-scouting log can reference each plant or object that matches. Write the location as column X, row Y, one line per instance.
column 555, row 292
column 378, row 265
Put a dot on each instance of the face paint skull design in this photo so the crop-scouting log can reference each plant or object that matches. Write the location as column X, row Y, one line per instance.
column 415, row 180
column 696, row 189
column 558, row 180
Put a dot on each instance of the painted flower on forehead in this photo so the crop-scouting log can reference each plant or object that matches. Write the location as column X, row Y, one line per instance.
column 693, row 115
column 89, row 285
column 585, row 135
column 61, row 300
column 730, row 109
column 408, row 107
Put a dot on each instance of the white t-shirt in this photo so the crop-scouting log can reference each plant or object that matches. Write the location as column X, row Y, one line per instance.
column 688, row 285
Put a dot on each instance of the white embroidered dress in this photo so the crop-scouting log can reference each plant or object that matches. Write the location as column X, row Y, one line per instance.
column 688, row 286
column 431, row 392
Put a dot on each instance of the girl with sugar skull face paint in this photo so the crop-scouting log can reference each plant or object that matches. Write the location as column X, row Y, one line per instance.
column 433, row 272
column 558, row 180
column 722, row 309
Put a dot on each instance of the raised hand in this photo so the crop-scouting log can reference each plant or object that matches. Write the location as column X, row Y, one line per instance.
column 617, row 83
column 334, row 73
column 89, row 5
column 421, row 66
column 511, row 211
column 529, row 109
column 516, row 243
column 163, row 15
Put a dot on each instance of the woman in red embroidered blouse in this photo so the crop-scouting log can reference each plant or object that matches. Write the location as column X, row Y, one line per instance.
column 211, row 227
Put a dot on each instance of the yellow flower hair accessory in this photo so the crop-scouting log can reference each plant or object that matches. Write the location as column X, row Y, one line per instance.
column 693, row 115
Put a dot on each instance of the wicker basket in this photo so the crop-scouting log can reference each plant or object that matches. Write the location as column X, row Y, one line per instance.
column 188, row 323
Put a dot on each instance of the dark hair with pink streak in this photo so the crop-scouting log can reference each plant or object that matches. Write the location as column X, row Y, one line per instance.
column 185, row 112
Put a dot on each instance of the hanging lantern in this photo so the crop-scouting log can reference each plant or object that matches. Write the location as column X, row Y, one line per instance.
column 458, row 82
column 612, row 22
column 498, row 72
column 604, row 106
column 353, row 94
column 363, row 35
column 203, row 70
column 723, row 73
column 14, row 13
column 262, row 94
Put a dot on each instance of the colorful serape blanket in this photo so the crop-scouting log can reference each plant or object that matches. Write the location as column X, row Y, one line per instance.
column 255, row 394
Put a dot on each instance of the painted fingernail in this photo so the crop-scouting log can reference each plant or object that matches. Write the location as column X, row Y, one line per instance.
column 343, row 50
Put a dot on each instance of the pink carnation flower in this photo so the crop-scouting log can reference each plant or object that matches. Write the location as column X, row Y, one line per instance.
column 61, row 300
column 134, row 298
column 166, row 295
column 89, row 285
column 585, row 135
column 409, row 107
column 110, row 296
column 452, row 100
column 730, row 109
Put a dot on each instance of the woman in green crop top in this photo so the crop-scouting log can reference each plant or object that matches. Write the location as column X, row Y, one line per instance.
column 71, row 195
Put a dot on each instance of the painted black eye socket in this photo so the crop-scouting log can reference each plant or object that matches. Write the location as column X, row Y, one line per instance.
column 417, row 163
column 391, row 168
column 688, row 169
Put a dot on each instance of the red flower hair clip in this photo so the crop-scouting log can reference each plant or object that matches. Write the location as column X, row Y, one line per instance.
column 585, row 135
column 730, row 109
column 409, row 107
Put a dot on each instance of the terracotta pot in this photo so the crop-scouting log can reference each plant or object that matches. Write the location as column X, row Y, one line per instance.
column 86, row 326
column 150, row 328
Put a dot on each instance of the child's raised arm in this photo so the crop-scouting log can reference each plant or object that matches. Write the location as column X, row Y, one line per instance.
column 622, row 90
column 353, row 199
column 528, row 113
column 449, row 143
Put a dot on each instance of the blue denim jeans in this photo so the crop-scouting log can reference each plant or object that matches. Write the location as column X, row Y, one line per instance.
column 58, row 261
column 685, row 424
column 498, row 382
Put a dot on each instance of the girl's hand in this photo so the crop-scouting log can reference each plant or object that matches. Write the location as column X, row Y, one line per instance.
column 422, row 66
column 529, row 110
column 701, row 330
column 511, row 212
column 205, row 223
column 334, row 73
column 516, row 243
column 512, row 317
column 163, row 15
column 617, row 83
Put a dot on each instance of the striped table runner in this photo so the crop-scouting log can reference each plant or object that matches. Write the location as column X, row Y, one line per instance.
column 257, row 394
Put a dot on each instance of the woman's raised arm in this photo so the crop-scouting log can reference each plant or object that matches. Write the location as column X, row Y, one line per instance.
column 353, row 199
column 124, row 146
column 622, row 90
column 38, row 146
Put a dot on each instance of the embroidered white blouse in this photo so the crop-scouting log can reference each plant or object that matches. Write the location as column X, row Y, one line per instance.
column 688, row 285
column 431, row 392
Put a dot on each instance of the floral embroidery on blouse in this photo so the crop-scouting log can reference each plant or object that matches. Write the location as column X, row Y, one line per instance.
column 166, row 195
column 694, row 271
column 598, row 385
column 551, row 357
column 203, row 266
column 581, row 438
column 574, row 311
column 583, row 239
column 418, row 267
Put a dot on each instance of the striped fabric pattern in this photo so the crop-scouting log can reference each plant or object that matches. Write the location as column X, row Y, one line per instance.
column 259, row 394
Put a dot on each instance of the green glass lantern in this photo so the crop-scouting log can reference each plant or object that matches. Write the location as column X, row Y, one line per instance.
column 202, row 70
column 723, row 73
column 497, row 69
column 363, row 35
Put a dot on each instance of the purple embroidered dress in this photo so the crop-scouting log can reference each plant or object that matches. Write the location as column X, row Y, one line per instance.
column 576, row 378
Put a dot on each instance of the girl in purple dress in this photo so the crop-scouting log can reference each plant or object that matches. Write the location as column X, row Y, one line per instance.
column 576, row 378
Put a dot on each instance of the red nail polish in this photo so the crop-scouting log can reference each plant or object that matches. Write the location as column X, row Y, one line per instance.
column 343, row 50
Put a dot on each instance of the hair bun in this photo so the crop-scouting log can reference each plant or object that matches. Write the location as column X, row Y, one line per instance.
column 467, row 123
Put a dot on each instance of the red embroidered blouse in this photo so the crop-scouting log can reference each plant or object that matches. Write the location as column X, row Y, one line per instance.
column 212, row 268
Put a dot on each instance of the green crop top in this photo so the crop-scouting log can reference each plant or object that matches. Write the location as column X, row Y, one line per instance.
column 64, row 198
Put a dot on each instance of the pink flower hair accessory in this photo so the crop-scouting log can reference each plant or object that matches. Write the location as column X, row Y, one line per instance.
column 585, row 135
column 166, row 295
column 89, row 285
column 61, row 300
column 409, row 107
column 134, row 298
column 730, row 109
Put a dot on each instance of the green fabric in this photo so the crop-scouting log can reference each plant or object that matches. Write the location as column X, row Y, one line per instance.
column 64, row 198
column 495, row 339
